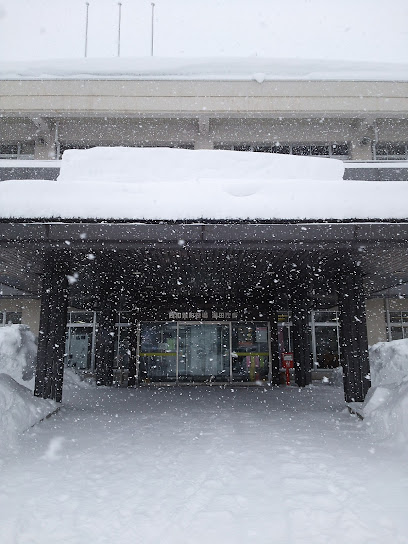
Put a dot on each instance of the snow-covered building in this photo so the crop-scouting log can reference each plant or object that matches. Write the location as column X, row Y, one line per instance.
column 171, row 266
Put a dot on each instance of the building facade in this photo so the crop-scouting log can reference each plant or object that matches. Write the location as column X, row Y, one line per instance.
column 213, row 324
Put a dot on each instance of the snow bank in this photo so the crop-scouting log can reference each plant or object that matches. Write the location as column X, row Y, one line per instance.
column 222, row 69
column 73, row 380
column 146, row 165
column 389, row 362
column 18, row 351
column 386, row 406
column 19, row 410
column 173, row 184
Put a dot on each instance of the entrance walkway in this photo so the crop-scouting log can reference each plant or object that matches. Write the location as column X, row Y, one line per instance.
column 203, row 465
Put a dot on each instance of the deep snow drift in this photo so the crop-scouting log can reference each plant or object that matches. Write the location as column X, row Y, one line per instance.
column 204, row 464
column 19, row 409
column 177, row 184
column 385, row 408
column 18, row 351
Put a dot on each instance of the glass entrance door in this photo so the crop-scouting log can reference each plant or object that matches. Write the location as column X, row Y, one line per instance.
column 204, row 351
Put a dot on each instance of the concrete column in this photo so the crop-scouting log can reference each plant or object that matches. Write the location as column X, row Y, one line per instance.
column 361, row 150
column 108, row 305
column 105, row 341
column 203, row 140
column 53, row 323
column 300, row 307
column 353, row 334
column 275, row 362
column 362, row 140
column 44, row 146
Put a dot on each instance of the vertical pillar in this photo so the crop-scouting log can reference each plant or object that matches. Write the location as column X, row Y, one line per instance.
column 203, row 139
column 105, row 343
column 353, row 334
column 300, row 307
column 53, row 323
column 106, row 331
column 275, row 362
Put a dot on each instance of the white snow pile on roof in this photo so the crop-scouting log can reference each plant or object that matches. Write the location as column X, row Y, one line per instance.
column 385, row 409
column 162, row 164
column 222, row 69
column 179, row 184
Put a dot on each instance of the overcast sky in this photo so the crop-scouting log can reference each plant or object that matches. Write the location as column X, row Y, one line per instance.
column 331, row 29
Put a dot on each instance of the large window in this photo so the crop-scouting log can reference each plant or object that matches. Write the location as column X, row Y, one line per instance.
column 325, row 336
column 10, row 318
column 335, row 150
column 203, row 351
column 80, row 341
column 158, row 351
column 21, row 151
column 391, row 151
column 61, row 147
column 398, row 325
column 250, row 351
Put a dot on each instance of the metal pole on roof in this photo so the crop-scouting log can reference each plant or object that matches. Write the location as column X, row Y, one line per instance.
column 119, row 22
column 152, row 42
column 86, row 28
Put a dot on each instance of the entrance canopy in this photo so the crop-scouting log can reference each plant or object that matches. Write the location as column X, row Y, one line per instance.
column 159, row 232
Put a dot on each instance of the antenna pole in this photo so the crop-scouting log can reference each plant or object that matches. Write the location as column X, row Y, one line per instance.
column 152, row 42
column 86, row 28
column 119, row 22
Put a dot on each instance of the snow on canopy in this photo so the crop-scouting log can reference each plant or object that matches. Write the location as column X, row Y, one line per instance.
column 146, row 165
column 230, row 69
column 174, row 184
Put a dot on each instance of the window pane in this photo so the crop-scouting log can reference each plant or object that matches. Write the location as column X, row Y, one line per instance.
column 243, row 147
column 395, row 317
column 158, row 358
column 79, row 348
column 391, row 150
column 250, row 359
column 396, row 333
column 8, row 149
column 404, row 316
column 13, row 318
column 339, row 149
column 325, row 317
column 81, row 317
column 301, row 150
column 319, row 150
column 282, row 149
column 327, row 353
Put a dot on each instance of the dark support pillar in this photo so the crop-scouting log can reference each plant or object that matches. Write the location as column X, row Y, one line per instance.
column 105, row 342
column 53, row 323
column 300, row 307
column 106, row 331
column 275, row 362
column 353, row 335
column 132, row 378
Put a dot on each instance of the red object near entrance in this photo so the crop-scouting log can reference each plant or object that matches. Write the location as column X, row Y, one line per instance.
column 287, row 364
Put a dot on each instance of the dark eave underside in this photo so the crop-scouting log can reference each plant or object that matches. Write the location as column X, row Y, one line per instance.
column 233, row 255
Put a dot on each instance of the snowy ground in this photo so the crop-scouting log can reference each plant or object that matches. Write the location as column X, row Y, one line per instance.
column 203, row 465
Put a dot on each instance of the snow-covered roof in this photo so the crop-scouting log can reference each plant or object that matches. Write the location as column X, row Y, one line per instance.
column 222, row 69
column 175, row 184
